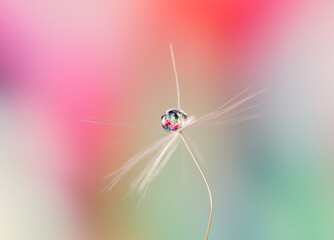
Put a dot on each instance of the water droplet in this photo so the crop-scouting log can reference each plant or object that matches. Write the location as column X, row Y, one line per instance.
column 173, row 119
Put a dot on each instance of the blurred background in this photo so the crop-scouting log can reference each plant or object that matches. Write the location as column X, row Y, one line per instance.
column 64, row 61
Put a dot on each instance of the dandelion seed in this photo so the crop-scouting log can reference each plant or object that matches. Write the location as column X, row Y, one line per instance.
column 175, row 121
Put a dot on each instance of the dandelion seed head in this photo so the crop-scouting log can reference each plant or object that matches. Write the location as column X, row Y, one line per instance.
column 173, row 119
column 176, row 120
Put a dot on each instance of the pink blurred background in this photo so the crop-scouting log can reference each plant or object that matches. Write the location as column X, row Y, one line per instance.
column 63, row 61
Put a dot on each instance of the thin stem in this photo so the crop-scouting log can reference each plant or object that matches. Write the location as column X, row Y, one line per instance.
column 206, row 182
column 176, row 77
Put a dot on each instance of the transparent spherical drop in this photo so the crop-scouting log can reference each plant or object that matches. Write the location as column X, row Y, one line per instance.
column 173, row 119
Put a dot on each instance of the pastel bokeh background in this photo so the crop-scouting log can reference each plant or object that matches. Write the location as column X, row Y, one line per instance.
column 62, row 61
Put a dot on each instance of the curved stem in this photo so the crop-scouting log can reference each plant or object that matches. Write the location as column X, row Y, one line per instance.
column 206, row 182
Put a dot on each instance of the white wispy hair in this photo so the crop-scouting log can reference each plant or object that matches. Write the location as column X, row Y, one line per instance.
column 160, row 151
